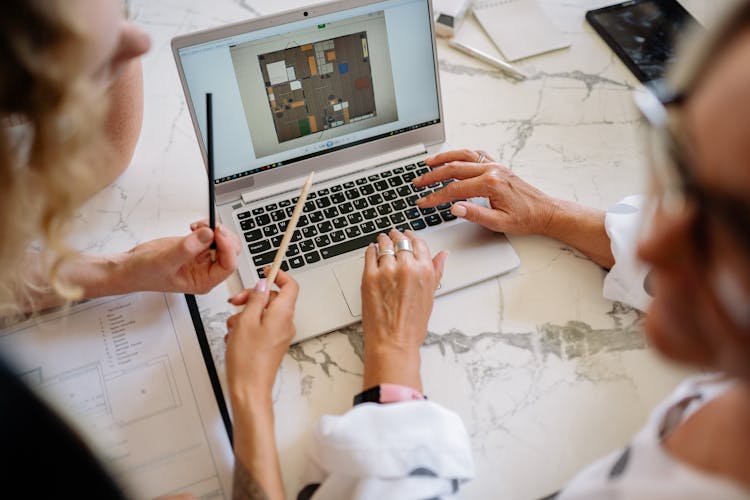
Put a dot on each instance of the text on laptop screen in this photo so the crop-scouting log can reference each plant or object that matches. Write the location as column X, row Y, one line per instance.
column 301, row 89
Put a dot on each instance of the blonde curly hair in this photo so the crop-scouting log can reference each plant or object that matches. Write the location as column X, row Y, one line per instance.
column 50, row 131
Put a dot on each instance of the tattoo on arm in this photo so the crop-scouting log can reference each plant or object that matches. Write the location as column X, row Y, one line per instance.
column 245, row 486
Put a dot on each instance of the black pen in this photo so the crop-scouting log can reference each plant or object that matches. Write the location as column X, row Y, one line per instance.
column 210, row 157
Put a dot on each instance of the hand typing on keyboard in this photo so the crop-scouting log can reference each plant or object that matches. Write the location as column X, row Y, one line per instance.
column 398, row 290
column 516, row 207
column 342, row 218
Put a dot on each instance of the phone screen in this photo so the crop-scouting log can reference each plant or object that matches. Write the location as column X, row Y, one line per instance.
column 643, row 33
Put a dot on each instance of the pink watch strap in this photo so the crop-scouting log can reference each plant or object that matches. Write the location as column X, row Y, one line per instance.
column 393, row 393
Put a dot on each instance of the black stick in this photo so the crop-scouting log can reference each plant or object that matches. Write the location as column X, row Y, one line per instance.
column 210, row 155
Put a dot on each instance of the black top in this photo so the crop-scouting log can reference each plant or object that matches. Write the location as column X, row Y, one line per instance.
column 40, row 456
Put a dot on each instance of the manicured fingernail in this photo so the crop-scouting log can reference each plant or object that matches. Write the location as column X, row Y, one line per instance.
column 419, row 201
column 417, row 179
column 458, row 210
column 205, row 235
column 260, row 286
column 429, row 158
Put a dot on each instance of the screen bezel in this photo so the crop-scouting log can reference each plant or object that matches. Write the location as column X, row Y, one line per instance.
column 225, row 191
column 592, row 16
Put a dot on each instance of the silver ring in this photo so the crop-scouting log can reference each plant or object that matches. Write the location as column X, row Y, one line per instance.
column 387, row 251
column 404, row 245
column 481, row 156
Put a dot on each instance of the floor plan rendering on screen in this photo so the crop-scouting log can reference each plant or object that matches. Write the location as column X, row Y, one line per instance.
column 308, row 86
column 318, row 86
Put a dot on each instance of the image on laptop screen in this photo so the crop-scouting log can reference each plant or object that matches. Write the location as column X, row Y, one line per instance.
column 316, row 86
column 290, row 92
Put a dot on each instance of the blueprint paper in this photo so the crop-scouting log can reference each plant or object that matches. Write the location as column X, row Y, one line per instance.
column 128, row 373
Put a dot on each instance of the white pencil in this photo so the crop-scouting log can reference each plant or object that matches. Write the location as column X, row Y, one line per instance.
column 483, row 56
column 281, row 252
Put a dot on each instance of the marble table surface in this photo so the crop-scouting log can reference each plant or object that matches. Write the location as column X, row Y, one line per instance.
column 546, row 374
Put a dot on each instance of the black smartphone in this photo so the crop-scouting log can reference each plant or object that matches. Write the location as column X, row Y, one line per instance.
column 642, row 33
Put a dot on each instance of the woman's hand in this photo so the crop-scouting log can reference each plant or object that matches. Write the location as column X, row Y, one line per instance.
column 397, row 295
column 184, row 264
column 516, row 206
column 257, row 340
column 259, row 336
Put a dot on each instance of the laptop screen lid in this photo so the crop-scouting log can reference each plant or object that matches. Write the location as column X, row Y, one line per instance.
column 312, row 88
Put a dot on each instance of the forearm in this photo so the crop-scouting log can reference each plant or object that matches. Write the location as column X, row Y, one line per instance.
column 95, row 276
column 582, row 228
column 257, row 474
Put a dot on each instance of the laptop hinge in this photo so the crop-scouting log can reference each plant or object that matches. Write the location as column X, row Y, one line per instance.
column 293, row 185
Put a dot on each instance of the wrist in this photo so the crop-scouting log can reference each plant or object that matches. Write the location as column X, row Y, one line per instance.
column 98, row 276
column 565, row 218
column 392, row 365
column 134, row 271
column 251, row 399
column 582, row 228
column 557, row 218
column 388, row 393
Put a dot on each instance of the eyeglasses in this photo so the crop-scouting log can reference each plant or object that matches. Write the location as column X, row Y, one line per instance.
column 673, row 174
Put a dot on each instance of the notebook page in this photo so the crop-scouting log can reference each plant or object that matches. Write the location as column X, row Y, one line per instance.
column 518, row 28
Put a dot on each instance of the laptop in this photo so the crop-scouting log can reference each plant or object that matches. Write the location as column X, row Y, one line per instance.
column 350, row 90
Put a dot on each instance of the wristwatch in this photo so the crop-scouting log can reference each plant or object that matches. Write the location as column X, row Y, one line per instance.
column 388, row 393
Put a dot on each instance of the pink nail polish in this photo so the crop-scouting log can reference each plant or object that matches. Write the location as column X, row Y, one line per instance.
column 260, row 286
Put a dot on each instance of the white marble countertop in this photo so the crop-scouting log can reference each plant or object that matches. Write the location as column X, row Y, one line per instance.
column 546, row 374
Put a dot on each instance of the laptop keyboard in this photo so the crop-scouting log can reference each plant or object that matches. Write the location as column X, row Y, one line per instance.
column 342, row 218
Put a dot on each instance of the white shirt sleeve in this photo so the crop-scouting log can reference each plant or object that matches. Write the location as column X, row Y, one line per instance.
column 409, row 450
column 627, row 278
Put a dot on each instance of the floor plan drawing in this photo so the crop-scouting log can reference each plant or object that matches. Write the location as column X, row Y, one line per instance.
column 319, row 86
column 137, row 393
column 129, row 373
column 83, row 389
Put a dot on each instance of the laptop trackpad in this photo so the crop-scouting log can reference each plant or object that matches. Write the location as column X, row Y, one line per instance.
column 349, row 275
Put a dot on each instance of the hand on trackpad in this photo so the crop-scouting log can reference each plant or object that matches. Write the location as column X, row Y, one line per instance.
column 349, row 276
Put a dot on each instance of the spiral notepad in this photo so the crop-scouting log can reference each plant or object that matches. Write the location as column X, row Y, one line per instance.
column 519, row 28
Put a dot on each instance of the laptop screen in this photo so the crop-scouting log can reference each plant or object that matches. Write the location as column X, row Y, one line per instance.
column 290, row 92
